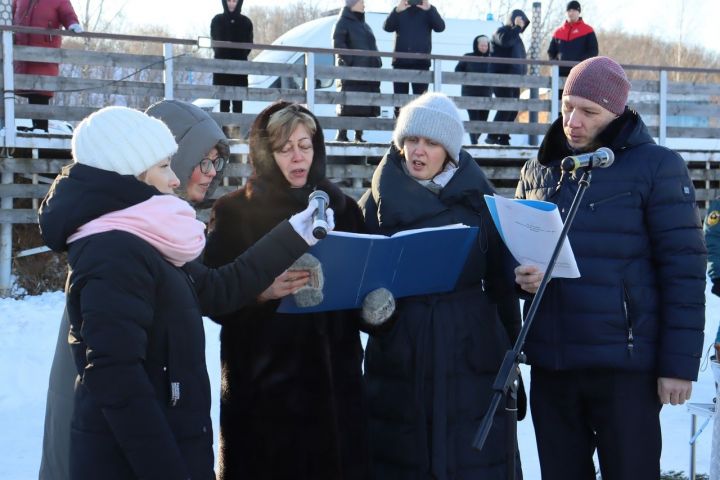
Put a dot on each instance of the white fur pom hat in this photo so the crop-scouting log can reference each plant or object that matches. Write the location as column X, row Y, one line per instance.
column 433, row 116
column 122, row 140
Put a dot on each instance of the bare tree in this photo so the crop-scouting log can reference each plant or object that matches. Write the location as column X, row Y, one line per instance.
column 277, row 20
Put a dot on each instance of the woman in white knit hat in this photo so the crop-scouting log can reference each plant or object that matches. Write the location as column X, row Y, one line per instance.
column 429, row 370
column 135, row 299
column 198, row 163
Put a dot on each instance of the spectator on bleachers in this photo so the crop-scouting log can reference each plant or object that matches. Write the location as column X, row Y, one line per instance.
column 481, row 48
column 413, row 22
column 231, row 26
column 507, row 43
column 50, row 14
column 352, row 32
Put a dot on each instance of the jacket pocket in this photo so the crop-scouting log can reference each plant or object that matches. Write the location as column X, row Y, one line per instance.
column 597, row 203
column 627, row 312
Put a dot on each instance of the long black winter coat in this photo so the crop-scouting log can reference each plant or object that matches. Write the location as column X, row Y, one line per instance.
column 292, row 404
column 413, row 29
column 429, row 377
column 142, row 407
column 352, row 32
column 507, row 43
column 475, row 67
column 231, row 27
column 637, row 237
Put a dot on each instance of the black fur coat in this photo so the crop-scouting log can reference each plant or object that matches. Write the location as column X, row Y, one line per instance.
column 292, row 403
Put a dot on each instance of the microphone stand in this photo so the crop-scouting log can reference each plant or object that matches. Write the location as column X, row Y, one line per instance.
column 506, row 382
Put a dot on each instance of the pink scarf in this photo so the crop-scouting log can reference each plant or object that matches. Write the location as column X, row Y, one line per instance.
column 164, row 221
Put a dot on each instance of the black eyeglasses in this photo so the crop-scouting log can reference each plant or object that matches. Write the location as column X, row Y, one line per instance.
column 218, row 163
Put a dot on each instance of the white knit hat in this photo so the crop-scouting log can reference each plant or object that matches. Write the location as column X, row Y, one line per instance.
column 122, row 140
column 433, row 116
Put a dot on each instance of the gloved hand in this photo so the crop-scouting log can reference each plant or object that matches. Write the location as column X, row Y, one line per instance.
column 310, row 294
column 716, row 286
column 302, row 223
column 76, row 27
column 378, row 306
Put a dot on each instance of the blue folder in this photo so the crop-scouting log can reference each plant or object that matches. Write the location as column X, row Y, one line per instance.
column 414, row 262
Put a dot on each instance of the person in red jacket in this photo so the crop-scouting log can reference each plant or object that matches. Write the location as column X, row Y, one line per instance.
column 573, row 41
column 50, row 14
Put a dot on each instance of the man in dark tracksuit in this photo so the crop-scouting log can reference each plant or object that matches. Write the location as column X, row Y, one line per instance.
column 608, row 349
column 573, row 41
column 413, row 24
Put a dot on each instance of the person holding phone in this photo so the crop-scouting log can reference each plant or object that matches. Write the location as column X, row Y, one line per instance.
column 413, row 22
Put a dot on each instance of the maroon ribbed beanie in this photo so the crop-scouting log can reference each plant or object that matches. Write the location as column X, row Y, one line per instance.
column 601, row 80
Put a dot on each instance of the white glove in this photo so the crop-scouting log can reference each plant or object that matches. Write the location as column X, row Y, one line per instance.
column 302, row 223
column 76, row 27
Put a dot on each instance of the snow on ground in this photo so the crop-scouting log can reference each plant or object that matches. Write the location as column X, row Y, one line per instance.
column 28, row 331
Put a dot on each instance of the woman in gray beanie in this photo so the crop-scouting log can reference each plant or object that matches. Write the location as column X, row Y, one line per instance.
column 203, row 149
column 429, row 370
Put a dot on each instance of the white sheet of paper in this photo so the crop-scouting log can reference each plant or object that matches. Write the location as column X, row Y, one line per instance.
column 531, row 233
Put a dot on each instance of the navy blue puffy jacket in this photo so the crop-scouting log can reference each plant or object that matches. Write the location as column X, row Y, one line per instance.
column 639, row 304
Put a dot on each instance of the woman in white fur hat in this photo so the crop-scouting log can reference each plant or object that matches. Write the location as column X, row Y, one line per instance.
column 135, row 299
column 429, row 370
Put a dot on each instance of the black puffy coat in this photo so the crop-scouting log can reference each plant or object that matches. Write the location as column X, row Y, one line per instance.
column 637, row 237
column 507, row 43
column 475, row 67
column 231, row 27
column 142, row 406
column 352, row 32
column 413, row 29
column 429, row 377
column 292, row 404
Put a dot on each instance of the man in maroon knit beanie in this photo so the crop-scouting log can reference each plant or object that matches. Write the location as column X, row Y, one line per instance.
column 610, row 348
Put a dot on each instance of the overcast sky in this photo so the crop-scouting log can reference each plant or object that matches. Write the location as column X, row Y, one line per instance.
column 698, row 24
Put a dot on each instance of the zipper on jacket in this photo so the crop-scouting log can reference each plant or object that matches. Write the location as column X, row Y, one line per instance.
column 609, row 199
column 626, row 311
column 174, row 393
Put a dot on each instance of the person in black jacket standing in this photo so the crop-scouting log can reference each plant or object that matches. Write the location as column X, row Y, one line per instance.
column 481, row 48
column 413, row 22
column 507, row 43
column 231, row 26
column 292, row 402
column 430, row 369
column 352, row 32
column 135, row 299
column 609, row 348
column 200, row 141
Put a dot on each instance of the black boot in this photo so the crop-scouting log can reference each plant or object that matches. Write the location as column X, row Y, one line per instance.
column 474, row 138
column 358, row 137
column 503, row 139
column 341, row 136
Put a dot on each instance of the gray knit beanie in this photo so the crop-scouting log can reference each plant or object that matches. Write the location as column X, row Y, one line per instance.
column 601, row 80
column 350, row 3
column 122, row 140
column 433, row 116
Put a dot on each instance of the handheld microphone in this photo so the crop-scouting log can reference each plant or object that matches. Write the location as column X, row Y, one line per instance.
column 603, row 157
column 320, row 226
